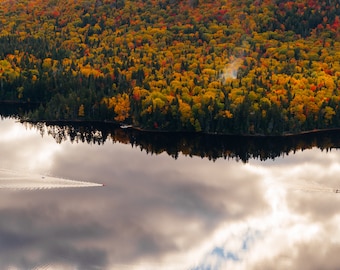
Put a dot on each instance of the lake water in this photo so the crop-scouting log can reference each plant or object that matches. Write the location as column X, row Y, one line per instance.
column 165, row 208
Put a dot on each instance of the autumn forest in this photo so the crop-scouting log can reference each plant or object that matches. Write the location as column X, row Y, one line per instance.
column 231, row 66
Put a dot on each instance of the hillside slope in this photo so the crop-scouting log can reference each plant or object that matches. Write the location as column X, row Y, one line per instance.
column 239, row 67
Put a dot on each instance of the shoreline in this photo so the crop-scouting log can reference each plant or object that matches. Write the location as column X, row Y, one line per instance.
column 125, row 126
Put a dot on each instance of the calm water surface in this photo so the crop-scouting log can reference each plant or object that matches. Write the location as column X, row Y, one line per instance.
column 157, row 212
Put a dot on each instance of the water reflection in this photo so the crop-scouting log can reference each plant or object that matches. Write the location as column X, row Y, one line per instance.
column 202, row 145
column 157, row 212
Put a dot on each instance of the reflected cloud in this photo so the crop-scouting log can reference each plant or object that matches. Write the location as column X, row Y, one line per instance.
column 177, row 205
column 300, row 223
column 22, row 149
column 156, row 212
column 29, row 239
column 319, row 254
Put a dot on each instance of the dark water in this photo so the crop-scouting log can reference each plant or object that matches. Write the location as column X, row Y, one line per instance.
column 169, row 202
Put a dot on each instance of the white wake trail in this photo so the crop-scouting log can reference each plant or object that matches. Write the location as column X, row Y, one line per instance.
column 21, row 181
column 312, row 188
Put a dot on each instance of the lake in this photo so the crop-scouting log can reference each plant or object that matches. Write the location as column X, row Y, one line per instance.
column 169, row 201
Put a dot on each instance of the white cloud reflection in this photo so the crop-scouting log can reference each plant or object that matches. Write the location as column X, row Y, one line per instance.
column 159, row 213
column 303, row 218
column 27, row 151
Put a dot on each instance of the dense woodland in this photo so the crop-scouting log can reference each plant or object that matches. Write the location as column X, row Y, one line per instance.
column 229, row 66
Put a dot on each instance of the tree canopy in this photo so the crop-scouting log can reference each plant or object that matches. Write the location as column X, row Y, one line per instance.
column 238, row 66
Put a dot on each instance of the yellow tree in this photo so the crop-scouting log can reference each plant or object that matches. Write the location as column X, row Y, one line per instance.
column 122, row 107
column 81, row 111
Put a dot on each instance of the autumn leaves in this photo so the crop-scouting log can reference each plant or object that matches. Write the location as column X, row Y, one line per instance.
column 226, row 67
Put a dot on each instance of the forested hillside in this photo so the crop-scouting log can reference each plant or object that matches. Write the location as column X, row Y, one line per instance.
column 230, row 66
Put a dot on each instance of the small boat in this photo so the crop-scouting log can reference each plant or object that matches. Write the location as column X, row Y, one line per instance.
column 125, row 126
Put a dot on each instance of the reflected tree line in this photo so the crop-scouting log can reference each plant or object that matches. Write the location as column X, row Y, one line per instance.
column 211, row 146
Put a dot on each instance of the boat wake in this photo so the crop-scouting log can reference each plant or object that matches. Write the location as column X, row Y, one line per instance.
column 315, row 188
column 21, row 181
